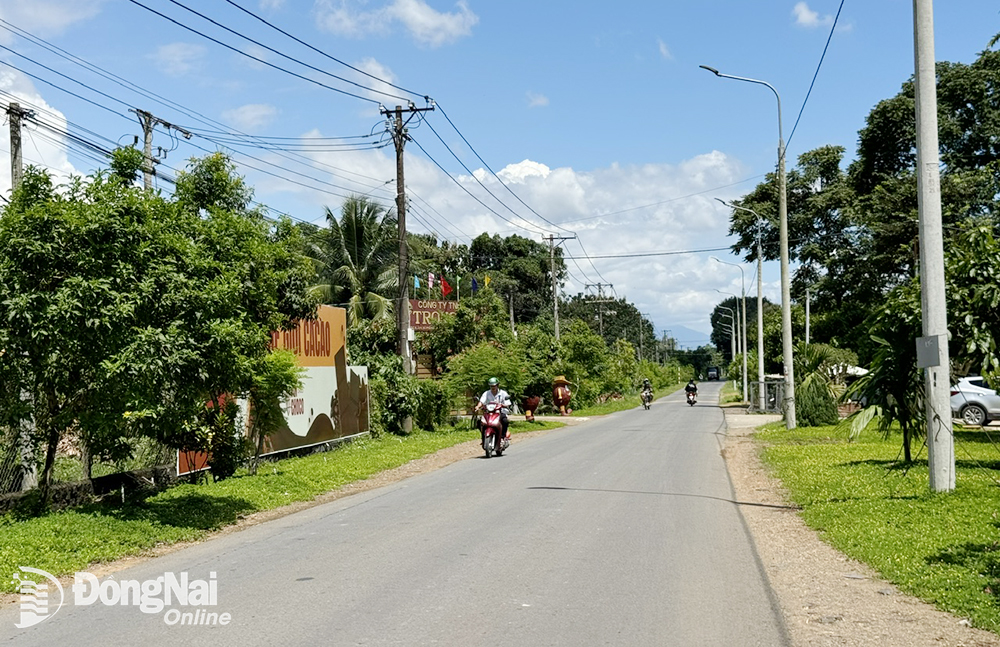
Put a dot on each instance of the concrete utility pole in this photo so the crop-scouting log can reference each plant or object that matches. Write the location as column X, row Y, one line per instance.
column 555, row 282
column 26, row 447
column 148, row 121
column 600, row 300
column 14, row 113
column 932, row 348
column 397, row 126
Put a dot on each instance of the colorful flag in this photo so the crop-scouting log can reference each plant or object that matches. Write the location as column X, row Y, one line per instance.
column 416, row 283
column 430, row 280
column 445, row 288
column 475, row 285
column 487, row 281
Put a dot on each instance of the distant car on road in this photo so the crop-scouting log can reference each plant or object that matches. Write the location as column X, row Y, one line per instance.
column 713, row 373
column 974, row 402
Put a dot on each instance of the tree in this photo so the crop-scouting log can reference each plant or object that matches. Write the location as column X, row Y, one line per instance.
column 124, row 313
column 519, row 268
column 358, row 257
column 477, row 319
column 273, row 383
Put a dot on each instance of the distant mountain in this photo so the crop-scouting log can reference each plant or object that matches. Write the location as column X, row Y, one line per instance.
column 688, row 338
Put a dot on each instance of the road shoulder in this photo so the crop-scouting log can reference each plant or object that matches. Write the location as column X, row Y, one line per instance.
column 826, row 598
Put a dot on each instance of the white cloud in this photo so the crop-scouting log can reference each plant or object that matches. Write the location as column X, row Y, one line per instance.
column 615, row 210
column 178, row 59
column 46, row 17
column 806, row 17
column 250, row 117
column 35, row 150
column 664, row 50
column 426, row 25
column 537, row 100
column 379, row 90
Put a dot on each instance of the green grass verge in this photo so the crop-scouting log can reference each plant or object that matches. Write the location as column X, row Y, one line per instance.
column 941, row 547
column 67, row 541
column 628, row 402
column 730, row 393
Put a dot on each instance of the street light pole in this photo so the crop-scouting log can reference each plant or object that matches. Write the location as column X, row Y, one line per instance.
column 743, row 323
column 734, row 344
column 786, row 305
column 760, row 307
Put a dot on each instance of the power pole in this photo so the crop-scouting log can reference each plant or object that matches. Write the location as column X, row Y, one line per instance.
column 932, row 348
column 14, row 113
column 555, row 283
column 599, row 300
column 148, row 121
column 400, row 136
column 26, row 447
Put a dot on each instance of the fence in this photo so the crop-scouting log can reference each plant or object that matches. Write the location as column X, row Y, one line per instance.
column 774, row 396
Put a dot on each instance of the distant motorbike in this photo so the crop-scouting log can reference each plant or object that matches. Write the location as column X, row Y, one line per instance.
column 692, row 397
column 492, row 429
column 647, row 398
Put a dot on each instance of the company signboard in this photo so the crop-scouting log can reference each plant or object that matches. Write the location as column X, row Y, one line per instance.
column 424, row 313
column 333, row 400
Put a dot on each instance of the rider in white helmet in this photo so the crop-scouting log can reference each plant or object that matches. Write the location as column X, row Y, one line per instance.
column 496, row 394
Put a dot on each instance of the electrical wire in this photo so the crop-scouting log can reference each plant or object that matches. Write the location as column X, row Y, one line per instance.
column 282, row 54
column 646, row 254
column 162, row 100
column 816, row 74
column 479, row 157
column 487, row 207
column 251, row 56
column 322, row 53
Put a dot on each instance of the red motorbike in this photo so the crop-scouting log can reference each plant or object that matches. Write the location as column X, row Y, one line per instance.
column 491, row 427
column 692, row 397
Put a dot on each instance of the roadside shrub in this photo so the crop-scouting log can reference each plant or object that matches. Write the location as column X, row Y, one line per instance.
column 432, row 404
column 470, row 370
column 815, row 405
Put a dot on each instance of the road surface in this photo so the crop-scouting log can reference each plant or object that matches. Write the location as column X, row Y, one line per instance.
column 617, row 531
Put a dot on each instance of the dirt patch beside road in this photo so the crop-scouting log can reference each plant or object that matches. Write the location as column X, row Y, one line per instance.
column 827, row 599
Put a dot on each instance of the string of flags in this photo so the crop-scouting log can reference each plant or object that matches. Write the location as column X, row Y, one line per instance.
column 445, row 287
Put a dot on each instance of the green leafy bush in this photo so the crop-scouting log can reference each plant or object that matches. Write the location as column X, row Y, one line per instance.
column 432, row 404
column 815, row 405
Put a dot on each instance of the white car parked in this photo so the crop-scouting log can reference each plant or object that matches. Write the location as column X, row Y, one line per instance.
column 974, row 402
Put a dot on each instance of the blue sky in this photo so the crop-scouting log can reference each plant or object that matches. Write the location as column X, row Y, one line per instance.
column 595, row 114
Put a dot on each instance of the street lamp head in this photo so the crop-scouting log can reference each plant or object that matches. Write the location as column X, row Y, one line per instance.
column 723, row 201
column 710, row 69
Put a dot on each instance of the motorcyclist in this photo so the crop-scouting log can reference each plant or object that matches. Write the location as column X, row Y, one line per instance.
column 647, row 389
column 495, row 394
column 691, row 387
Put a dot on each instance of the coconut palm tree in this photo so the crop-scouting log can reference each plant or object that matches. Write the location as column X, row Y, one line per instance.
column 358, row 259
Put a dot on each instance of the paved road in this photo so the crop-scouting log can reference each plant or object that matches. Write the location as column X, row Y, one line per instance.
column 616, row 531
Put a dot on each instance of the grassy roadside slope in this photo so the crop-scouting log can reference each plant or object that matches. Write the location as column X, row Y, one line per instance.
column 941, row 547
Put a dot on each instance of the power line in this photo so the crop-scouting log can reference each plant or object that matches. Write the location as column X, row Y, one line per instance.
column 511, row 191
column 487, row 207
column 282, row 54
column 322, row 53
column 816, row 74
column 251, row 56
column 160, row 99
column 644, row 254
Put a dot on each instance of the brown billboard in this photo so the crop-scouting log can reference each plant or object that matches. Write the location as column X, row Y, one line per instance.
column 425, row 313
